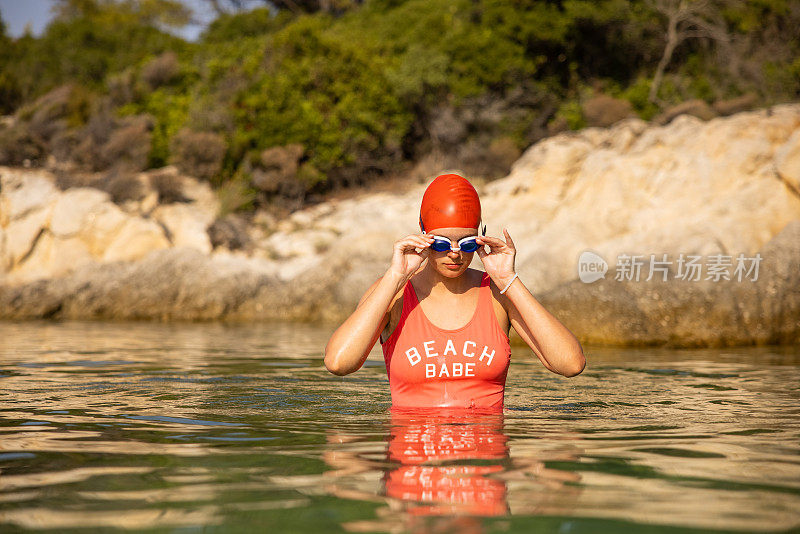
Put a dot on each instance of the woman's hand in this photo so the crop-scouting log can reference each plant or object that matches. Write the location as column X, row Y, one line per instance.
column 405, row 258
column 499, row 261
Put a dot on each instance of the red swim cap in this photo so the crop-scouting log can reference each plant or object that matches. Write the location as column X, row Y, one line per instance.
column 450, row 202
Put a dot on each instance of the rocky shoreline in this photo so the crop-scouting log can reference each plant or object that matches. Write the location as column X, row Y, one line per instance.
column 723, row 187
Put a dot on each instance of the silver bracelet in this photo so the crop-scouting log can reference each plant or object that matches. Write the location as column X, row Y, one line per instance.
column 509, row 284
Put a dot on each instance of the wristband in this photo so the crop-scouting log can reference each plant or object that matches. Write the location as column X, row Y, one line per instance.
column 509, row 284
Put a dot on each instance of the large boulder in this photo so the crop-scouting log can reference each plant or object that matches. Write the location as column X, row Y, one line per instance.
column 683, row 312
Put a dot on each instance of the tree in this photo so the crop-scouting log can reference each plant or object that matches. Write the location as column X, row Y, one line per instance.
column 687, row 19
column 295, row 6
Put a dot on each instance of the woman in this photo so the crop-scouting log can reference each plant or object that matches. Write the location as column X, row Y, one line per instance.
column 443, row 326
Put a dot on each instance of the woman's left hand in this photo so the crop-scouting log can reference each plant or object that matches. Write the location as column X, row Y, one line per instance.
column 499, row 261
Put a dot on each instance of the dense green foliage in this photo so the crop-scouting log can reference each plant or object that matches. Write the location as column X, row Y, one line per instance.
column 386, row 82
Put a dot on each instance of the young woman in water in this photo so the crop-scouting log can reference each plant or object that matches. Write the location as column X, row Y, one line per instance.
column 443, row 326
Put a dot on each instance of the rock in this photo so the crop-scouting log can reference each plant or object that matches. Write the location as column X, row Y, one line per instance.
column 5, row 261
column 202, row 198
column 135, row 239
column 186, row 226
column 168, row 284
column 23, row 192
column 22, row 233
column 696, row 108
column 603, row 110
column 299, row 243
column 103, row 224
column 74, row 208
column 735, row 105
column 52, row 257
column 687, row 313
column 787, row 162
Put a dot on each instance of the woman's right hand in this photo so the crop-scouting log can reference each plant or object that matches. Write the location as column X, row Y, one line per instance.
column 405, row 259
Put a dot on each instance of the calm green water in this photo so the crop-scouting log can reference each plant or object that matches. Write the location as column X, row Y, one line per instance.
column 211, row 428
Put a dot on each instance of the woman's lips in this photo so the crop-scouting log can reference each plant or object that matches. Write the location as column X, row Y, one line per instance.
column 452, row 265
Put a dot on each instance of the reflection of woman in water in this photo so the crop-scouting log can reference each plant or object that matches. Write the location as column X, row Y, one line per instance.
column 453, row 463
column 443, row 326
column 432, row 447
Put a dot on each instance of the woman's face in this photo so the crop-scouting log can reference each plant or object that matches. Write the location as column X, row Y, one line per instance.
column 451, row 263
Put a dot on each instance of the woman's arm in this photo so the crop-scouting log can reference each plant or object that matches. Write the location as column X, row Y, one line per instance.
column 351, row 343
column 551, row 341
column 555, row 346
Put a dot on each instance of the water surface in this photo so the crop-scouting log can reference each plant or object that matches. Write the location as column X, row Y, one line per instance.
column 214, row 428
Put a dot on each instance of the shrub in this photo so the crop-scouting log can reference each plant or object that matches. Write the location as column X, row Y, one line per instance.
column 17, row 146
column 161, row 70
column 128, row 146
column 62, row 107
column 198, row 153
column 570, row 111
column 168, row 184
column 10, row 92
column 122, row 186
column 122, row 87
column 277, row 168
column 236, row 195
column 229, row 231
column 603, row 110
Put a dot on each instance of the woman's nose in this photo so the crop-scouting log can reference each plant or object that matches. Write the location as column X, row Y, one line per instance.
column 454, row 253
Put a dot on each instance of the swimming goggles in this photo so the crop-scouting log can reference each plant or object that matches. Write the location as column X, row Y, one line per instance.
column 466, row 244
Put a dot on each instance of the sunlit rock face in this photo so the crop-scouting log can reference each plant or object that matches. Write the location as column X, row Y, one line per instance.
column 690, row 188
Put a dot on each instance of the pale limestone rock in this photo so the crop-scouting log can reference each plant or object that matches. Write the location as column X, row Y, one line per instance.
column 787, row 161
column 135, row 239
column 52, row 257
column 5, row 261
column 102, row 227
column 21, row 234
column 24, row 192
column 186, row 226
column 204, row 200
column 74, row 209
column 148, row 203
column 299, row 243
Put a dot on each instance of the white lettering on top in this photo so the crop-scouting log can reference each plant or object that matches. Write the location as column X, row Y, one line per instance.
column 429, row 350
column 469, row 354
column 413, row 356
column 484, row 353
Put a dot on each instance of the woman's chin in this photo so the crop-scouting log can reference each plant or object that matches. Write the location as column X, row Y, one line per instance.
column 451, row 271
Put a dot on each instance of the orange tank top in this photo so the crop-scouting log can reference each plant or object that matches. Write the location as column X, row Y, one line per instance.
column 429, row 366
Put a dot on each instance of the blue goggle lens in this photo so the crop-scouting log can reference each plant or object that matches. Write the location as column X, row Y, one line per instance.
column 440, row 246
column 467, row 245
